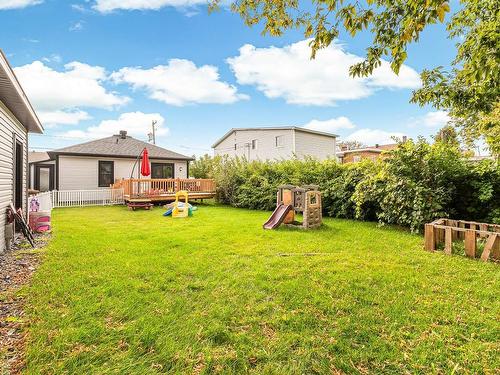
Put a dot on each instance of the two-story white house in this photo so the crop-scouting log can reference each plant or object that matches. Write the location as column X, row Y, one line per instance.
column 276, row 143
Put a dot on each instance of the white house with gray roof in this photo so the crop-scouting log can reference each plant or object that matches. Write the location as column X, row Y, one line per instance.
column 276, row 143
column 98, row 164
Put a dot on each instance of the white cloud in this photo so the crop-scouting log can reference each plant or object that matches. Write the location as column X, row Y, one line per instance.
column 16, row 4
column 111, row 5
column 137, row 124
column 54, row 118
column 331, row 125
column 373, row 136
column 60, row 94
column 180, row 82
column 436, row 119
column 289, row 73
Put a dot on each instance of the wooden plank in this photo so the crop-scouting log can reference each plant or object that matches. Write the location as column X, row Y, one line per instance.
column 483, row 228
column 470, row 243
column 448, row 241
column 463, row 230
column 495, row 251
column 488, row 247
column 429, row 238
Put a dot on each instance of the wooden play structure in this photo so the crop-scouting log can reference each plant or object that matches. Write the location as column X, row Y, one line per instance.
column 447, row 231
column 291, row 200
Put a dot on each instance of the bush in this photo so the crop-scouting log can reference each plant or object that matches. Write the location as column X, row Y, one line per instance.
column 414, row 184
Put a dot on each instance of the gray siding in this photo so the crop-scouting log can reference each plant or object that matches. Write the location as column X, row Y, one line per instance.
column 10, row 128
column 266, row 144
column 314, row 145
column 296, row 143
column 82, row 173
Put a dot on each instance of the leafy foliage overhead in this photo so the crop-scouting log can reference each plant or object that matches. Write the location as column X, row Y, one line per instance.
column 469, row 91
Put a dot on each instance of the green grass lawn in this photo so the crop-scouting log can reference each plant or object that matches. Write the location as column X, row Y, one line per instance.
column 124, row 292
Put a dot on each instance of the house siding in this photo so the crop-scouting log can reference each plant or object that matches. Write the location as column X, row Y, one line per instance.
column 10, row 127
column 314, row 145
column 82, row 173
column 266, row 146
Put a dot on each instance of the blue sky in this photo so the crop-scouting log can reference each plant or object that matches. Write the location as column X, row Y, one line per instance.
column 91, row 68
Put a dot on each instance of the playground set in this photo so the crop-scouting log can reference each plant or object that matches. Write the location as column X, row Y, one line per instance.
column 291, row 200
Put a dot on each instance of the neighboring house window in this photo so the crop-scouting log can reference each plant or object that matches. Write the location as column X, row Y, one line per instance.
column 279, row 141
column 235, row 146
column 162, row 170
column 106, row 173
column 356, row 158
column 254, row 144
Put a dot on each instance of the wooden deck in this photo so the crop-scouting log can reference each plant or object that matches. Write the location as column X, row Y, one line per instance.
column 163, row 190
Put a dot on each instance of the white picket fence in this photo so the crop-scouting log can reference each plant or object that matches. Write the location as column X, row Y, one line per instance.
column 79, row 198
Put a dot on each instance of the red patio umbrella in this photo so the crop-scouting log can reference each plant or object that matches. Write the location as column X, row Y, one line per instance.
column 145, row 167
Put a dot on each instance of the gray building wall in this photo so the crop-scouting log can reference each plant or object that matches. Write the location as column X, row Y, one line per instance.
column 265, row 144
column 315, row 145
column 294, row 143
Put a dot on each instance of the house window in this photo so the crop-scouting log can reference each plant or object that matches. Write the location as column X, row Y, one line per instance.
column 162, row 170
column 235, row 147
column 279, row 141
column 106, row 173
column 254, row 144
column 356, row 158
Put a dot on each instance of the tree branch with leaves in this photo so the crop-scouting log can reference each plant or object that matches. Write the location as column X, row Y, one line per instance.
column 469, row 91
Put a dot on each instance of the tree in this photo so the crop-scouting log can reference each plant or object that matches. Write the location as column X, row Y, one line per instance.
column 448, row 135
column 351, row 145
column 469, row 91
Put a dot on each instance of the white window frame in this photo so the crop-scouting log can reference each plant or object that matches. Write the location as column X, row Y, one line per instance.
column 279, row 141
column 254, row 144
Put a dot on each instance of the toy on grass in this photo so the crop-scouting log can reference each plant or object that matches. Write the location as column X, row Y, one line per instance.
column 170, row 208
column 179, row 208
column 293, row 199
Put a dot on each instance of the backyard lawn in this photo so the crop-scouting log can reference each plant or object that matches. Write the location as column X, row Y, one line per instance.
column 123, row 292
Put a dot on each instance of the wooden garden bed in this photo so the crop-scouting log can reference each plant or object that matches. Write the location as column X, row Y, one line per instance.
column 448, row 231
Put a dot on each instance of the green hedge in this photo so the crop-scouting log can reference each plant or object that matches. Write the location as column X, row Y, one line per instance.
column 415, row 184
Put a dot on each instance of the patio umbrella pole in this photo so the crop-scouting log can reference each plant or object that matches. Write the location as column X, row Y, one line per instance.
column 133, row 169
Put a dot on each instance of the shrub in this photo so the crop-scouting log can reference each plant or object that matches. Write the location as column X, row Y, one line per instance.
column 414, row 184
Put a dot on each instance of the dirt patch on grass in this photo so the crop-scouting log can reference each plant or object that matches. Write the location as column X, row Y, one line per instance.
column 16, row 269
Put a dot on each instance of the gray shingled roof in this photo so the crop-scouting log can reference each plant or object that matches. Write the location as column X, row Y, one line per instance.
column 119, row 147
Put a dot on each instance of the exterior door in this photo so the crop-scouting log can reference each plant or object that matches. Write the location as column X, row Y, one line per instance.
column 44, row 177
column 18, row 175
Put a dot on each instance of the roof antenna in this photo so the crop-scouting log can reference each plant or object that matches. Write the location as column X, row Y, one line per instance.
column 152, row 136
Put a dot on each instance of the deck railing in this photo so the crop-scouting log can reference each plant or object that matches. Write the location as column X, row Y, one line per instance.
column 135, row 187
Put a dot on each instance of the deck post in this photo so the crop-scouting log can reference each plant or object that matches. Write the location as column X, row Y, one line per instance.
column 430, row 240
column 470, row 243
